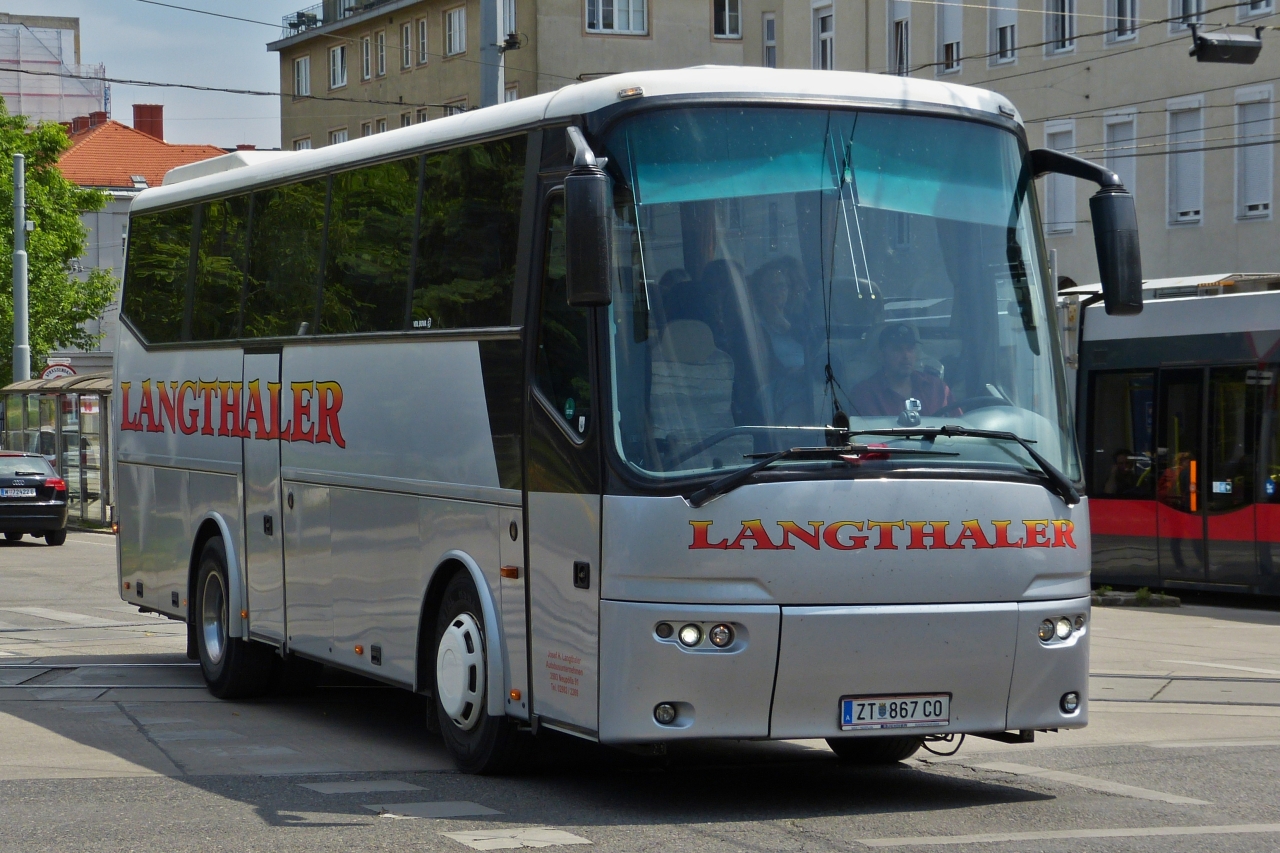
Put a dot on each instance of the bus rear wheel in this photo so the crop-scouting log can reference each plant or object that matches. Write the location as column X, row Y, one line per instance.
column 233, row 668
column 478, row 742
column 874, row 750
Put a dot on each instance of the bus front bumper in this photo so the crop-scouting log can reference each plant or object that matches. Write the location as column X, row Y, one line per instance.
column 787, row 668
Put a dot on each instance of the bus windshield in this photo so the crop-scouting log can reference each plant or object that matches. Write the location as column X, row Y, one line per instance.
column 779, row 269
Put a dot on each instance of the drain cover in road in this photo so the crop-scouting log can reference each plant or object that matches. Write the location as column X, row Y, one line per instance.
column 441, row 809
column 510, row 839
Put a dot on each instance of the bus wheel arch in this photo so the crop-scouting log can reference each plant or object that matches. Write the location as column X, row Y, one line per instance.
column 450, row 565
column 212, row 525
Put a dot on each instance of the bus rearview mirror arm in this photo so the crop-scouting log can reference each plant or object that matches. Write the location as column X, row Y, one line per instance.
column 588, row 204
column 1115, row 228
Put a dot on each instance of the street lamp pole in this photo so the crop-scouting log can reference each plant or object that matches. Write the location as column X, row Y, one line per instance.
column 21, row 345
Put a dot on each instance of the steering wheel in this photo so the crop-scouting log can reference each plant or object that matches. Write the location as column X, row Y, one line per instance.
column 968, row 404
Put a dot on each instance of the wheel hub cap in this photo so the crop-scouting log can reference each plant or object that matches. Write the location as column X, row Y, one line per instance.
column 213, row 618
column 460, row 672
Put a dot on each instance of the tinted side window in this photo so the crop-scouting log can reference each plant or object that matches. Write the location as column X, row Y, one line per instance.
column 470, row 225
column 155, row 280
column 367, row 250
column 284, row 258
column 220, row 268
column 1123, row 429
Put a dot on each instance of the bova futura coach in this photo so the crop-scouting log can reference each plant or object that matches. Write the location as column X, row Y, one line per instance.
column 710, row 403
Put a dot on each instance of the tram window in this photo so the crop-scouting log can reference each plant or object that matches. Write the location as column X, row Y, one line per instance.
column 1122, row 408
column 220, row 269
column 367, row 248
column 284, row 258
column 1232, row 425
column 156, row 274
column 466, row 265
column 561, row 369
column 1270, row 432
column 1180, row 471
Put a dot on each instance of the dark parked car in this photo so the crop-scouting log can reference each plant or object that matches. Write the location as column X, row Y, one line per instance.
column 33, row 498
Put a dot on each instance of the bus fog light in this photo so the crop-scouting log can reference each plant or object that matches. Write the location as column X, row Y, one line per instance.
column 1070, row 702
column 1063, row 628
column 664, row 630
column 720, row 636
column 690, row 635
column 1079, row 621
column 1046, row 630
column 665, row 713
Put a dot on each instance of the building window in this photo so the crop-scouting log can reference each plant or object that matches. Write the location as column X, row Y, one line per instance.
column 824, row 38
column 406, row 45
column 728, row 18
column 1124, row 20
column 455, row 107
column 337, row 67
column 303, row 144
column 406, row 119
column 422, row 41
column 1119, row 133
column 455, row 31
column 511, row 93
column 617, row 16
column 422, row 115
column 769, row 25
column 1257, row 7
column 900, row 38
column 302, row 77
column 950, row 21
column 1253, row 158
column 1185, row 13
column 380, row 126
column 509, row 17
column 1005, row 43
column 1060, row 190
column 380, row 51
column 1060, row 25
column 366, row 128
column 1186, row 165
column 337, row 136
column 1002, row 19
column 366, row 58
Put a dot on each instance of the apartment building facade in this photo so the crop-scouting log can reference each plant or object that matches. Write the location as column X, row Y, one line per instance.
column 357, row 68
column 1109, row 80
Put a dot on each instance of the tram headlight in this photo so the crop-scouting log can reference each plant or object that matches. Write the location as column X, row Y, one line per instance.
column 690, row 635
column 720, row 636
column 1046, row 630
column 1062, row 629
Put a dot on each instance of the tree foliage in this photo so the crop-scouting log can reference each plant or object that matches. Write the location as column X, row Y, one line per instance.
column 59, row 304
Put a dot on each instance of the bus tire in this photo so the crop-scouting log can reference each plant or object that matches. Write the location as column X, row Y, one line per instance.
column 233, row 668
column 478, row 742
column 874, row 750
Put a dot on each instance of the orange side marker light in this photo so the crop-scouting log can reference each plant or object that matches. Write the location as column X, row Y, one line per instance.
column 515, row 695
column 360, row 650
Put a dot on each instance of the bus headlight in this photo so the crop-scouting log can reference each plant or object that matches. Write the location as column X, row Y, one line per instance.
column 1063, row 628
column 690, row 635
column 1079, row 621
column 1046, row 630
column 720, row 636
column 1070, row 702
column 664, row 713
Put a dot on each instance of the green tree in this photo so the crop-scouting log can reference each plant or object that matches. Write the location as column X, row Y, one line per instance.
column 58, row 302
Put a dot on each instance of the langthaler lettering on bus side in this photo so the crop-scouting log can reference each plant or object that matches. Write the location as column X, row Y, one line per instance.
column 889, row 535
column 235, row 409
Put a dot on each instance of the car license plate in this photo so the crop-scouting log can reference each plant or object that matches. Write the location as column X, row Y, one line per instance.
column 894, row 712
column 17, row 493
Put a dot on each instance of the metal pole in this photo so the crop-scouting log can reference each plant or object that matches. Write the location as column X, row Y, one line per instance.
column 21, row 345
column 491, row 57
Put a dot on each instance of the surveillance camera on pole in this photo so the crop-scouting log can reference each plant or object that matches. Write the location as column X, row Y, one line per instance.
column 1221, row 46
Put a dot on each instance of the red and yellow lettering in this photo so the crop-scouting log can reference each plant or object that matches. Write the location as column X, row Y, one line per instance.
column 146, row 410
column 1062, row 533
column 253, row 412
column 1037, row 534
column 886, row 529
column 1002, row 535
column 127, row 423
column 753, row 530
column 831, row 536
column 971, row 531
column 330, row 396
column 810, row 538
column 187, row 426
column 277, row 429
column 701, row 537
column 937, row 535
column 207, row 390
column 168, row 409
column 302, row 409
column 231, row 392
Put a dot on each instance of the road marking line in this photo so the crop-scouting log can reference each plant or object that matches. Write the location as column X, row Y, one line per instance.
column 1091, row 783
column 64, row 617
column 506, row 839
column 1223, row 666
column 1192, row 744
column 1139, row 832
column 365, row 787
column 435, row 810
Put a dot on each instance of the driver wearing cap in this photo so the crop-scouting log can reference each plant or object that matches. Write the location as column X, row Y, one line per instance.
column 897, row 380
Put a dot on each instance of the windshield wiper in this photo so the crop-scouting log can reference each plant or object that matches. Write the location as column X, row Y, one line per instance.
column 1057, row 481
column 847, row 452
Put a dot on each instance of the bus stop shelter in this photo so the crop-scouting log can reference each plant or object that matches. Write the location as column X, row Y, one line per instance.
column 65, row 419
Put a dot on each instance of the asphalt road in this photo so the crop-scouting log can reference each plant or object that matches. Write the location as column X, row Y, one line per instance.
column 108, row 741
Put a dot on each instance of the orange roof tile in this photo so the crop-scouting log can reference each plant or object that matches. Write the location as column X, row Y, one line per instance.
column 109, row 154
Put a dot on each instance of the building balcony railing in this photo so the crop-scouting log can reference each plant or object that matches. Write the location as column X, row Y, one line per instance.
column 323, row 13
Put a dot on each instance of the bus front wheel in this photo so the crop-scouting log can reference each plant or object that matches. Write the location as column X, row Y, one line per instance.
column 233, row 668
column 874, row 750
column 478, row 742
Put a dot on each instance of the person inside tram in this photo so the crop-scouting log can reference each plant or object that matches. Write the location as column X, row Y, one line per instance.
column 1174, row 486
column 1124, row 477
column 886, row 391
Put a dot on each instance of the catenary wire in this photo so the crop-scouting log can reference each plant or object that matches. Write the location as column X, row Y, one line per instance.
column 1102, row 111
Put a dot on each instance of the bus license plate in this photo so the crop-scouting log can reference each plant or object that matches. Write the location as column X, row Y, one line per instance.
column 894, row 712
column 17, row 493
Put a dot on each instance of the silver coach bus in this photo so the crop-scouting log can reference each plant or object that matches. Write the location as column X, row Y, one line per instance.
column 711, row 403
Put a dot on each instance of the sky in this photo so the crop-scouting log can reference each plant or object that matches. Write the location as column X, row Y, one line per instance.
column 139, row 41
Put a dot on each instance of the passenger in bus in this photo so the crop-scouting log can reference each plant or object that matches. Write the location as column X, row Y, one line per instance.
column 886, row 391
column 778, row 290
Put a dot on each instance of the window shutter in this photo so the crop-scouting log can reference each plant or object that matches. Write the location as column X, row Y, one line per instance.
column 1253, row 163
column 1060, row 201
column 1120, row 151
column 1186, row 170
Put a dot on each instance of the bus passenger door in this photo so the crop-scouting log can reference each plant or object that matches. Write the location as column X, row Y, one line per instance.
column 562, row 479
column 1179, row 474
column 1230, row 520
column 263, row 528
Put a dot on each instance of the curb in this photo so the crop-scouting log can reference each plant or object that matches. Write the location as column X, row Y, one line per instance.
column 1132, row 599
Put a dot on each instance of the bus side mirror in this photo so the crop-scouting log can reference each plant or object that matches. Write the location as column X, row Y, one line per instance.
column 1115, row 228
column 588, row 203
